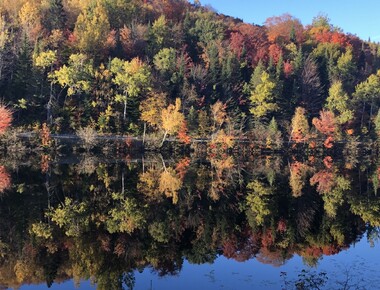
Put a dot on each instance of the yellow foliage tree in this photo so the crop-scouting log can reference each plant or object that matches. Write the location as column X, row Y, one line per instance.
column 92, row 29
column 300, row 126
column 151, row 109
column 30, row 20
column 170, row 183
column 172, row 119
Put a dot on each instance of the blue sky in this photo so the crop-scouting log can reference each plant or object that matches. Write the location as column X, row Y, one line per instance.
column 360, row 17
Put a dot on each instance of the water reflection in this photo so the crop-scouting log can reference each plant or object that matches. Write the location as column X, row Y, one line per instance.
column 85, row 217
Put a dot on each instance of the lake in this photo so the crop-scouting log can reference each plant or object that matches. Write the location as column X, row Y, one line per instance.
column 195, row 221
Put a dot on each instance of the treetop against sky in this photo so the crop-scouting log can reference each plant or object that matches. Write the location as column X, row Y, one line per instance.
column 356, row 17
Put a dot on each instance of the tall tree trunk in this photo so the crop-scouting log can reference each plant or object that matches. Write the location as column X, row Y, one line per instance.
column 163, row 139
column 122, row 181
column 125, row 110
column 48, row 113
column 370, row 117
column 362, row 119
column 144, row 133
column 49, row 106
column 49, row 116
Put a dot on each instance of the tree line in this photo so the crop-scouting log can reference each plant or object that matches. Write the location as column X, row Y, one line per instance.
column 171, row 68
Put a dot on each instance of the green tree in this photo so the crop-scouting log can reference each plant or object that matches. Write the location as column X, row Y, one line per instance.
column 346, row 69
column 5, row 46
column 127, row 216
column 76, row 76
column 159, row 34
column 132, row 78
column 121, row 12
column 24, row 78
column 263, row 97
column 207, row 29
column 256, row 76
column 339, row 103
column 165, row 61
column 53, row 14
column 259, row 200
column 366, row 92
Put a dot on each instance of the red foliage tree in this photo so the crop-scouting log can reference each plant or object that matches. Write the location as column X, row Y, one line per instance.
column 328, row 143
column 182, row 167
column 250, row 42
column 320, row 34
column 267, row 239
column 339, row 38
column 5, row 179
column 229, row 247
column 183, row 134
column 288, row 68
column 328, row 162
column 281, row 227
column 275, row 52
column 237, row 43
column 5, row 119
column 325, row 35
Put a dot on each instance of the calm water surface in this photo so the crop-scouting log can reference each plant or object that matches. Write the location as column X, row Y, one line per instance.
column 210, row 222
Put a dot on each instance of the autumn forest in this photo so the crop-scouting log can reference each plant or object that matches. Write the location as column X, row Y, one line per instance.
column 172, row 70
column 149, row 135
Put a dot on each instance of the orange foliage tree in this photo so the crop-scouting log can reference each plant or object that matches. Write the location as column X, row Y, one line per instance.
column 5, row 119
column 324, row 179
column 284, row 28
column 275, row 52
column 323, row 34
column 45, row 135
column 326, row 124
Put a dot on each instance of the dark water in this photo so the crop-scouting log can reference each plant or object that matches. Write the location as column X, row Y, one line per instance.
column 210, row 222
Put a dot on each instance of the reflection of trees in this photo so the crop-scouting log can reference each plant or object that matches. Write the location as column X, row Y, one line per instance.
column 367, row 207
column 258, row 198
column 221, row 176
column 103, row 221
column 332, row 186
column 297, row 177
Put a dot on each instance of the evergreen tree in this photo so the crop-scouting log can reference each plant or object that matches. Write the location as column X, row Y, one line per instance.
column 54, row 16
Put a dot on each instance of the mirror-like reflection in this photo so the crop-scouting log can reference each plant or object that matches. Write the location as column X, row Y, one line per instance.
column 83, row 217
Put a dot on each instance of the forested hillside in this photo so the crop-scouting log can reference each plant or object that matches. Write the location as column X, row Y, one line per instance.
column 172, row 68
